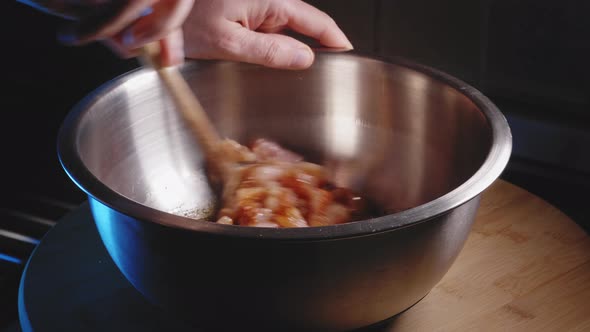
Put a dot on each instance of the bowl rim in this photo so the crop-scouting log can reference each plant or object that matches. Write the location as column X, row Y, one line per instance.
column 491, row 169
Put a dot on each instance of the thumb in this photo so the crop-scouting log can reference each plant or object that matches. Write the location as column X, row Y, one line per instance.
column 267, row 49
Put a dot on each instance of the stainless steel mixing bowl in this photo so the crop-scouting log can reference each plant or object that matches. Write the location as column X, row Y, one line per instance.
column 409, row 137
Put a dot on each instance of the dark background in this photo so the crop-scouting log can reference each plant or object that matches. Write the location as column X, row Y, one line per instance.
column 530, row 57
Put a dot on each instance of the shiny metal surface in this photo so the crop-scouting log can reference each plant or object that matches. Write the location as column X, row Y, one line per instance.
column 413, row 140
column 409, row 137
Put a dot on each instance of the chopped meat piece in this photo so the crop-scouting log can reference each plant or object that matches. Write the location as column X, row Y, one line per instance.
column 276, row 188
column 266, row 150
column 225, row 220
column 234, row 152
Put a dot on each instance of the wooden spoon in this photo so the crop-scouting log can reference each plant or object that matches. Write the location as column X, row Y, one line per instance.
column 189, row 107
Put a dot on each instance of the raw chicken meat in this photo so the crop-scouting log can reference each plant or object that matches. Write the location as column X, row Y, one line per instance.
column 273, row 187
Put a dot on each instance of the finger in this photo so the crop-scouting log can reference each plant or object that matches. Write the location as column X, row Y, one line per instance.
column 312, row 22
column 119, row 50
column 97, row 28
column 272, row 50
column 167, row 16
column 172, row 49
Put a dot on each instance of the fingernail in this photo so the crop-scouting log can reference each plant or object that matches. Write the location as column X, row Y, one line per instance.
column 303, row 58
column 147, row 11
column 67, row 38
column 67, row 34
column 127, row 39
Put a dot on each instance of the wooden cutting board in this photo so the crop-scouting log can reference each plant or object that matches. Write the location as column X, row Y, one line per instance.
column 525, row 267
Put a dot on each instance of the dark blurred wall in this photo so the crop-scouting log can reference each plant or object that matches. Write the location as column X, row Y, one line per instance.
column 42, row 81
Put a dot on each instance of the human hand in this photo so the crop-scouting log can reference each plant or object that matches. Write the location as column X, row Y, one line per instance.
column 123, row 25
column 249, row 31
column 235, row 30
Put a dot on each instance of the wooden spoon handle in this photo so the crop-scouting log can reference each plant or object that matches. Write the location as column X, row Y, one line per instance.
column 187, row 104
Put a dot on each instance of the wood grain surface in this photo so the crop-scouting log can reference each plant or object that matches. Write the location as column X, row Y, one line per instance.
column 525, row 267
